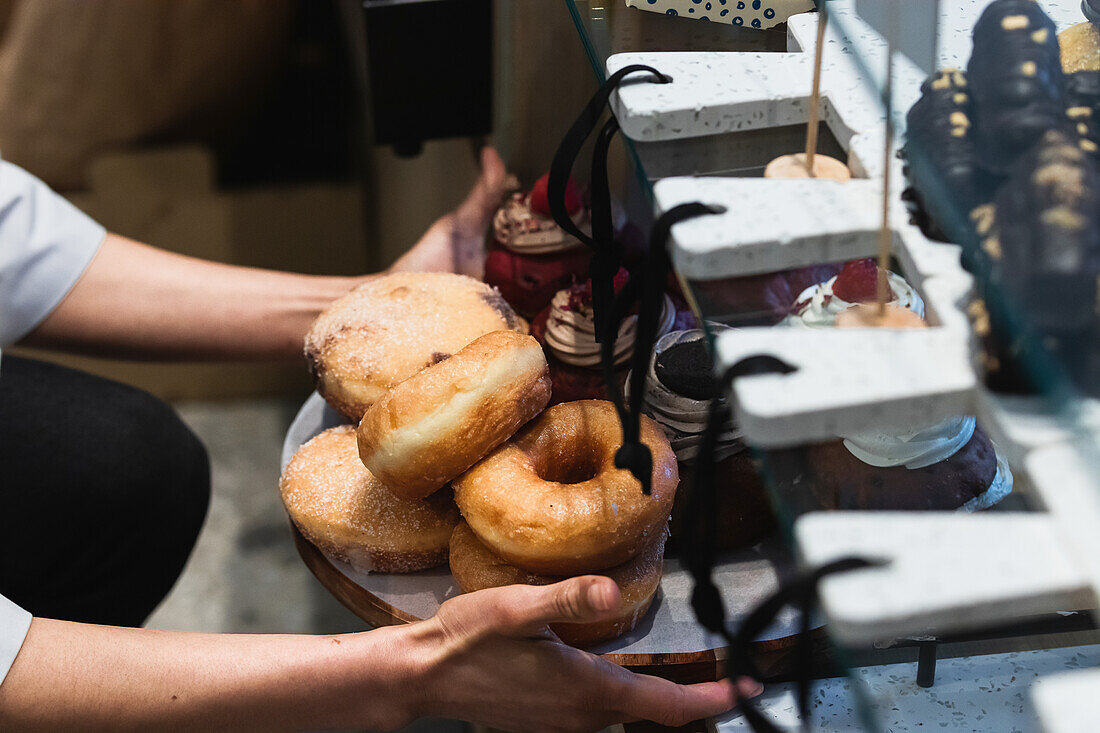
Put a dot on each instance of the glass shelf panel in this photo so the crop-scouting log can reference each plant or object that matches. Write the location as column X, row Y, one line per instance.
column 609, row 27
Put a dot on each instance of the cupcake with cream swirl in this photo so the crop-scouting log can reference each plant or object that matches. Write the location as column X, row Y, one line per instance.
column 530, row 257
column 567, row 330
column 947, row 464
column 679, row 389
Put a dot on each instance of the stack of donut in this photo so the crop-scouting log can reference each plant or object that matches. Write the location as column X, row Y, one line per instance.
column 550, row 503
column 449, row 394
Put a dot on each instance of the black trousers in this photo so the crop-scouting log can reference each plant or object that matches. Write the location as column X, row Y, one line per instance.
column 103, row 491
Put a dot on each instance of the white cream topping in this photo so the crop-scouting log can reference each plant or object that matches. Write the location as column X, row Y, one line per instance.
column 818, row 307
column 917, row 448
column 571, row 334
column 524, row 231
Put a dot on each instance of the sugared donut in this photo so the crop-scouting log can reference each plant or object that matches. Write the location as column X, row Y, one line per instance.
column 551, row 500
column 436, row 424
column 389, row 328
column 475, row 567
column 346, row 512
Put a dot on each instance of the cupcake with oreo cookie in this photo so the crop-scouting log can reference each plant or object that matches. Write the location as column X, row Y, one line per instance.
column 945, row 465
column 679, row 389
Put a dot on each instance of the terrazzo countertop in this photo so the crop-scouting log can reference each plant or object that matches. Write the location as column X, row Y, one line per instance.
column 983, row 693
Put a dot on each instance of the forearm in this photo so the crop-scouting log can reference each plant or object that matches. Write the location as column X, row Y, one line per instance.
column 136, row 301
column 78, row 677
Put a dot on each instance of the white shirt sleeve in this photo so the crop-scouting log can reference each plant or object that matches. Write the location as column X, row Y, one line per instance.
column 14, row 624
column 45, row 244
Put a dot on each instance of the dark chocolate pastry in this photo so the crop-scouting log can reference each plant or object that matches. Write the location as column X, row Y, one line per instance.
column 842, row 481
column 1091, row 9
column 940, row 157
column 1083, row 108
column 745, row 515
column 1015, row 77
column 686, row 368
column 1043, row 256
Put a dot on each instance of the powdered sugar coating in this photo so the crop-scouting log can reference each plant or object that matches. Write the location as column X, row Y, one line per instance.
column 343, row 509
column 389, row 328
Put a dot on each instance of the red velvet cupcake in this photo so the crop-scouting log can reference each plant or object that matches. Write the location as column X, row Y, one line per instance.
column 531, row 257
column 566, row 328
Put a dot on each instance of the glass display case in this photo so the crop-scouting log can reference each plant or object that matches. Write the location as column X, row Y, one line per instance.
column 961, row 457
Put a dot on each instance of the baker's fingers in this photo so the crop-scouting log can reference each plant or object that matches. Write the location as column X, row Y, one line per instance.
column 523, row 610
column 651, row 698
column 476, row 212
column 585, row 598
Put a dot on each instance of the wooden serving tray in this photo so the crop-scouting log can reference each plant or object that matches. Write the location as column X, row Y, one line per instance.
column 667, row 642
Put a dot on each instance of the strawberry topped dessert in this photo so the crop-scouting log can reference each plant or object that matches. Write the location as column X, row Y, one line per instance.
column 531, row 257
column 948, row 464
column 819, row 305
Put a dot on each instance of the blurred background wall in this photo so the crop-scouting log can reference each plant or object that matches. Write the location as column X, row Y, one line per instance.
column 240, row 131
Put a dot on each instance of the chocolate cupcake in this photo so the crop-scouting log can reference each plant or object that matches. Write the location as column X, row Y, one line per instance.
column 948, row 464
column 679, row 388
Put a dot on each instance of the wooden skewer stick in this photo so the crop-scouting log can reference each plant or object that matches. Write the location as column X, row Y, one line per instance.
column 885, row 235
column 815, row 97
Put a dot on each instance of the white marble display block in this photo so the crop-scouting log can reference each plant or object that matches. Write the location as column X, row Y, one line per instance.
column 771, row 225
column 946, row 572
column 846, row 380
column 1069, row 702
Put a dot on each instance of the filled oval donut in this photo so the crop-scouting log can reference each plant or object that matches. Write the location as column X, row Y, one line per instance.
column 390, row 327
column 551, row 500
column 435, row 425
column 348, row 513
column 475, row 567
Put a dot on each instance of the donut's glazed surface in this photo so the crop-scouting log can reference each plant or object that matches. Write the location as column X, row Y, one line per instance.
column 552, row 501
column 436, row 424
column 389, row 328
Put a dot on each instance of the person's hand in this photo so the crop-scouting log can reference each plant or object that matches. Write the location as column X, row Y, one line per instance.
column 456, row 241
column 489, row 657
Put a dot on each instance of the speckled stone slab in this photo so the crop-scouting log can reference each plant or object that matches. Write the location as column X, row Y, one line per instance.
column 1069, row 703
column 770, row 90
column 1066, row 475
column 720, row 92
column 947, row 571
column 988, row 693
column 771, row 225
column 846, row 380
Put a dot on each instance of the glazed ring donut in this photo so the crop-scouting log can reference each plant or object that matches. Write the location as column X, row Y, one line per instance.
column 390, row 327
column 551, row 500
column 435, row 425
column 475, row 567
column 346, row 512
